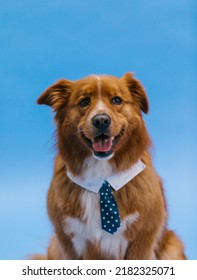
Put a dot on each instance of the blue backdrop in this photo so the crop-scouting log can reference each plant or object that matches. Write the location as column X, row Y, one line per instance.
column 42, row 41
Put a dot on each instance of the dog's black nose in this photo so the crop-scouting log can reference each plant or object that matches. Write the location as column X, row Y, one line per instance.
column 101, row 121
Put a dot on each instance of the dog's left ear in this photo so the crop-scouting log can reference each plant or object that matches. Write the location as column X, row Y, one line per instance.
column 137, row 91
column 57, row 94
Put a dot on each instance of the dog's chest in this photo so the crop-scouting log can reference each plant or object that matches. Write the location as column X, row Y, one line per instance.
column 88, row 229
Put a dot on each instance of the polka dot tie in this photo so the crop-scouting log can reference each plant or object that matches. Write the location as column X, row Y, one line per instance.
column 110, row 218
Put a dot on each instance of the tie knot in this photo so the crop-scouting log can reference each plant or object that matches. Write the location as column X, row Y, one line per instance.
column 106, row 187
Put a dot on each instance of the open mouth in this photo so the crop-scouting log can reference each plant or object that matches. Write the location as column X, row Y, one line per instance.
column 103, row 144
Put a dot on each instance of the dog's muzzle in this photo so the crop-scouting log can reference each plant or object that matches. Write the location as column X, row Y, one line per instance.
column 102, row 143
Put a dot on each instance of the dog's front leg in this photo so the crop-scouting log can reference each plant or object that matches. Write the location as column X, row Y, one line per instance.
column 142, row 247
column 61, row 248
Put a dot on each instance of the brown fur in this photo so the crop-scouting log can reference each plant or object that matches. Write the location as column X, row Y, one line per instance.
column 148, row 237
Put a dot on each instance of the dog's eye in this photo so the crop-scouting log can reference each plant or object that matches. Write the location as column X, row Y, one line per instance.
column 84, row 102
column 116, row 100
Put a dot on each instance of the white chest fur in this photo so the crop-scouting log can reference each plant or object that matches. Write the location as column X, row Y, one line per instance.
column 89, row 229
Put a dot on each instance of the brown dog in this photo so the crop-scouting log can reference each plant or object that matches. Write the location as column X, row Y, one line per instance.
column 102, row 141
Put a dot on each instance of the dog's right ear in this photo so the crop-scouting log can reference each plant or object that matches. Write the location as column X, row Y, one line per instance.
column 57, row 94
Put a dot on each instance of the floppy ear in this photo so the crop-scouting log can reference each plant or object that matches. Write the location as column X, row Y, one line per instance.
column 57, row 94
column 137, row 91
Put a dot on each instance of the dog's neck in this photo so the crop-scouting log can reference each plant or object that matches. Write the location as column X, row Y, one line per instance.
column 95, row 172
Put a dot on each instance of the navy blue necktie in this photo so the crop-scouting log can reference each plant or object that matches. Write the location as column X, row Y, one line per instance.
column 110, row 218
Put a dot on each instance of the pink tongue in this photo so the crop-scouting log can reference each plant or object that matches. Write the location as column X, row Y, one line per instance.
column 102, row 145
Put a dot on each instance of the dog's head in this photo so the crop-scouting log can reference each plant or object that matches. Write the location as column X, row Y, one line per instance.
column 99, row 115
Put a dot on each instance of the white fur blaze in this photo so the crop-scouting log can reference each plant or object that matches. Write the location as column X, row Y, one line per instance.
column 90, row 229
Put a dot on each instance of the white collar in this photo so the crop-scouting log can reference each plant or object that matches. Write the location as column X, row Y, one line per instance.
column 116, row 180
